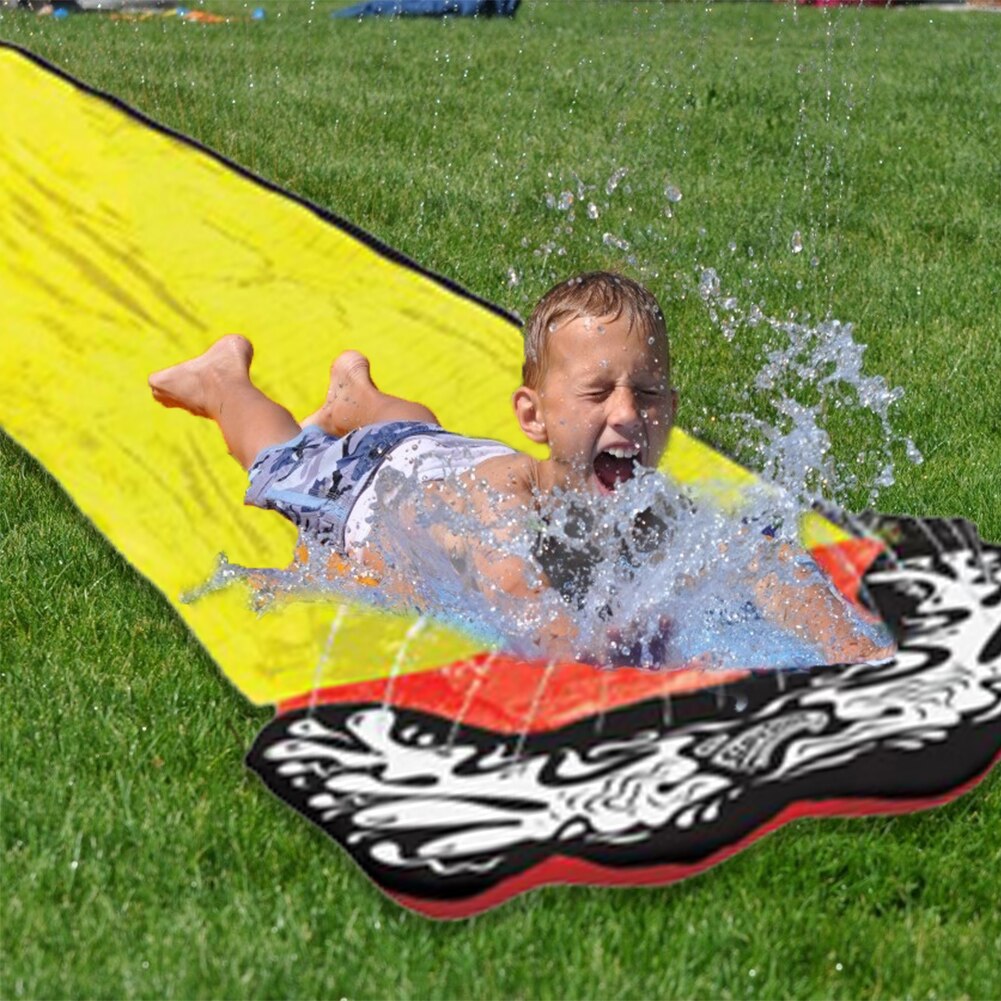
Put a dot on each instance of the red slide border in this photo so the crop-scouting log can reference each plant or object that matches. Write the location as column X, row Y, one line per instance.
column 560, row 870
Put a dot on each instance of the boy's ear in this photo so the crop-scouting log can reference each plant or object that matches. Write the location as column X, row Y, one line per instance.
column 528, row 410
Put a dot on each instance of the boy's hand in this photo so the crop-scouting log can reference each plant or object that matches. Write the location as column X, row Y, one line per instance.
column 645, row 651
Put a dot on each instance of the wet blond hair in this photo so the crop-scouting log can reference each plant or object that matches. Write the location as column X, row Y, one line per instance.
column 595, row 294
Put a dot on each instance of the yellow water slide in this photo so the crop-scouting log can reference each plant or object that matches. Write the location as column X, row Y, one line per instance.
column 126, row 248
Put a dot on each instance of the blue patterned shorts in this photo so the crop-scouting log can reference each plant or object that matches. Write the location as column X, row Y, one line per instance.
column 325, row 485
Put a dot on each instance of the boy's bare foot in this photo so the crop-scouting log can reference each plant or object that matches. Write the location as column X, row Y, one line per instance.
column 350, row 375
column 353, row 400
column 351, row 396
column 195, row 385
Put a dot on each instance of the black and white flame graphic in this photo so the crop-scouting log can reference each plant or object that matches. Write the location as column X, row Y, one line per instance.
column 437, row 810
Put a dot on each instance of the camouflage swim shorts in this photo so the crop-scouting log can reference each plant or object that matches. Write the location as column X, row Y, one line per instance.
column 326, row 486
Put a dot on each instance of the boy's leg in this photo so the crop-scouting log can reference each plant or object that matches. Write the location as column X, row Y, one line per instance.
column 354, row 401
column 217, row 385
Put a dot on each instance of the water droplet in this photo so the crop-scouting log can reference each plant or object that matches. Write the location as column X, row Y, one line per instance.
column 613, row 182
column 709, row 284
column 611, row 240
column 592, row 210
column 796, row 242
column 512, row 277
column 672, row 193
column 566, row 200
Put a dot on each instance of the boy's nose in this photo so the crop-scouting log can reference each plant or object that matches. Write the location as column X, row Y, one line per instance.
column 623, row 413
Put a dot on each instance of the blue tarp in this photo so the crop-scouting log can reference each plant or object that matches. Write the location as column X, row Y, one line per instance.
column 429, row 8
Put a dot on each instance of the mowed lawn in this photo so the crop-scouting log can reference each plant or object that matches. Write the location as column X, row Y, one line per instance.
column 140, row 859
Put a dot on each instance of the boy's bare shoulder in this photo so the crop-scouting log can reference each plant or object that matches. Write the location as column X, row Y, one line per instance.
column 496, row 485
column 496, row 493
column 512, row 476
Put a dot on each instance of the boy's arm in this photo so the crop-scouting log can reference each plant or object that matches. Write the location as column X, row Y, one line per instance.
column 815, row 611
column 496, row 502
column 511, row 583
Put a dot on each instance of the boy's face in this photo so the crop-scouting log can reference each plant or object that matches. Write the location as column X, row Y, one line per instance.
column 605, row 404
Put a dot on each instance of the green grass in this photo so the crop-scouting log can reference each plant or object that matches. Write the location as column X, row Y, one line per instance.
column 141, row 860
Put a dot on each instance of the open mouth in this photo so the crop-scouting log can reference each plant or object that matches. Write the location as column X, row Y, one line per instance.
column 615, row 466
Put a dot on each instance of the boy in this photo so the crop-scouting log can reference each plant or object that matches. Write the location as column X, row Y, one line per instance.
column 596, row 390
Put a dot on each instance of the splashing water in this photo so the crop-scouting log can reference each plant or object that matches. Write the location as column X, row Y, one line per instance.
column 575, row 212
column 811, row 375
column 648, row 577
column 660, row 579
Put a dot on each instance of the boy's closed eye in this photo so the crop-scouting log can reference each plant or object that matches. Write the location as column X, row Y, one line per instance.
column 601, row 392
